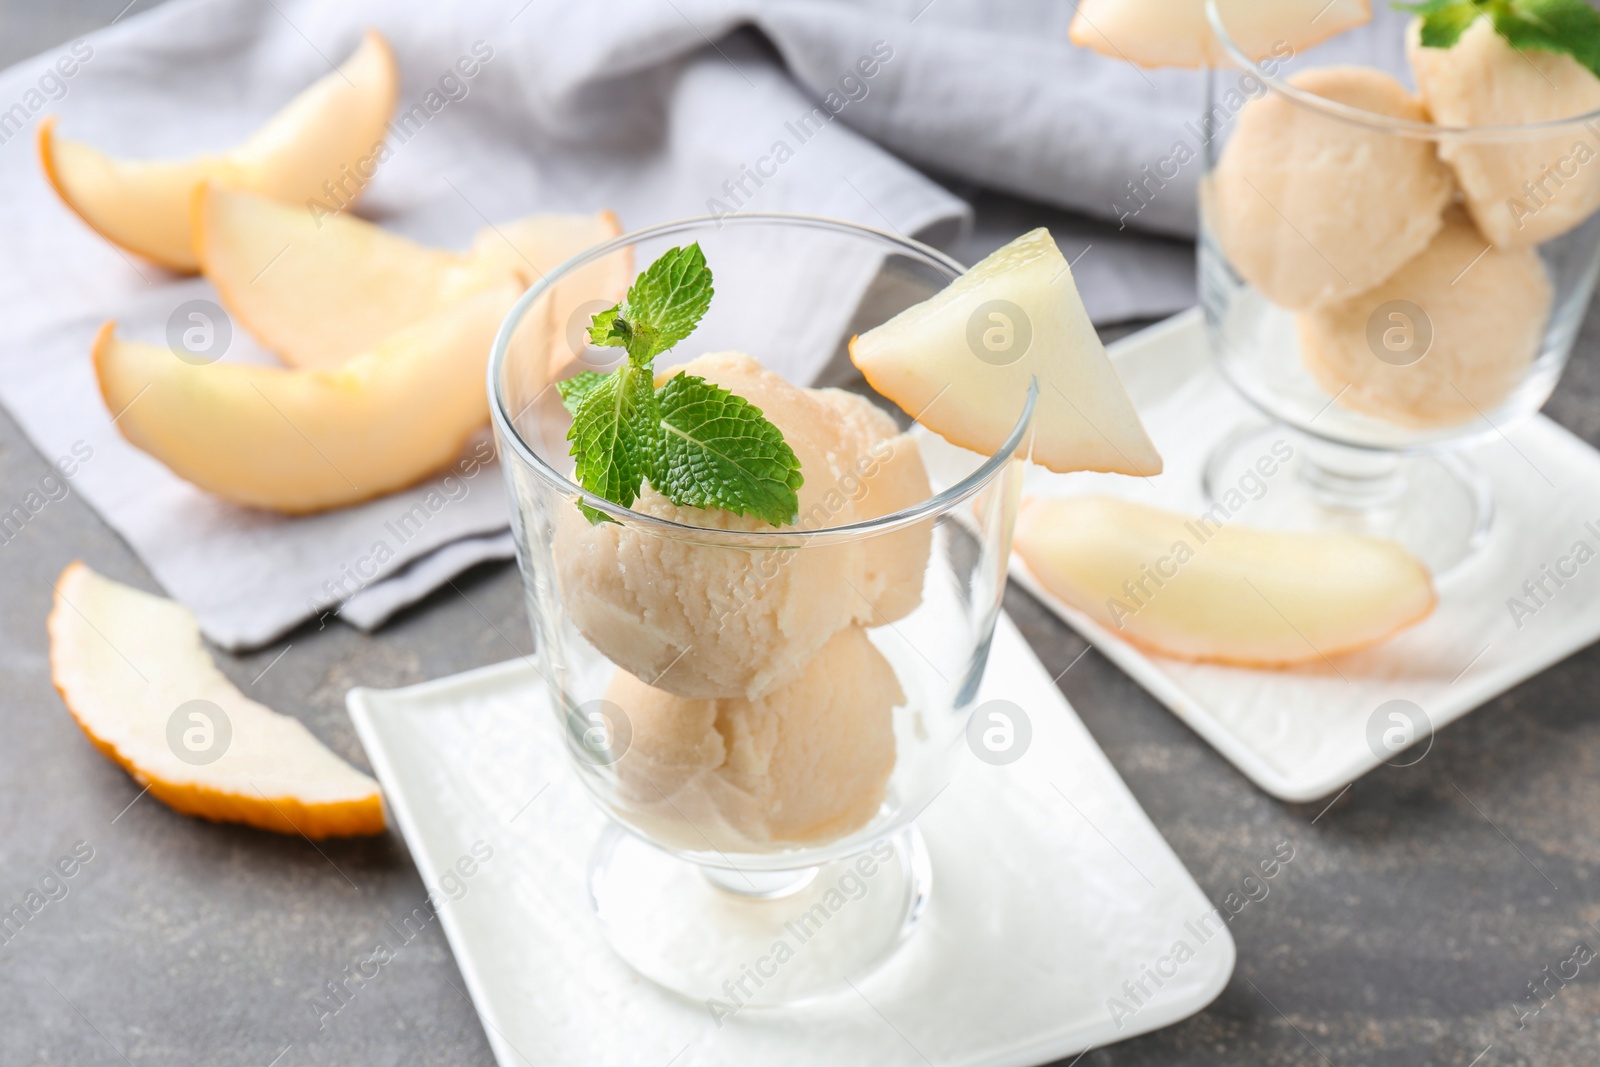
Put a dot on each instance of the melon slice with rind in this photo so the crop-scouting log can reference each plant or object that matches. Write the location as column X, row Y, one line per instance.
column 299, row 441
column 1176, row 33
column 134, row 674
column 331, row 133
column 316, row 291
column 1203, row 589
column 961, row 363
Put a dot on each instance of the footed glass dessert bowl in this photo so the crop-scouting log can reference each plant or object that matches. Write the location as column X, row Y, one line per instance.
column 762, row 703
column 1392, row 272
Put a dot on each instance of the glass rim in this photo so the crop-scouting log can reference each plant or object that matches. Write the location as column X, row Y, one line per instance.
column 1528, row 131
column 937, row 504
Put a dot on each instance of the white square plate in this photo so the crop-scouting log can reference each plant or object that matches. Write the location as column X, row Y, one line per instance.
column 1051, row 890
column 1302, row 734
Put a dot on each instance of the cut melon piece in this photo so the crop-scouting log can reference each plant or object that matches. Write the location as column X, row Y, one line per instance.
column 300, row 441
column 134, row 674
column 1520, row 191
column 1176, row 33
column 961, row 362
column 533, row 247
column 318, row 290
column 331, row 133
column 1199, row 589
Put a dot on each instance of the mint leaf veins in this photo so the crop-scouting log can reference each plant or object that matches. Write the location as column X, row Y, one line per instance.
column 716, row 450
column 698, row 444
column 1564, row 27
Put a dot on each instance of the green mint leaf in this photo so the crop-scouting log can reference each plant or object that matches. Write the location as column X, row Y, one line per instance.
column 604, row 329
column 1443, row 21
column 1569, row 27
column 575, row 388
column 1564, row 27
column 664, row 305
column 717, row 450
column 611, row 436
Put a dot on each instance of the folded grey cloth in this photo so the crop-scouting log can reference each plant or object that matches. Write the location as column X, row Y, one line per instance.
column 655, row 109
column 550, row 123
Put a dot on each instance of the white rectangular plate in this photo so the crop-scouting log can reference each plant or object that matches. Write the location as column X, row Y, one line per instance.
column 1302, row 734
column 1051, row 889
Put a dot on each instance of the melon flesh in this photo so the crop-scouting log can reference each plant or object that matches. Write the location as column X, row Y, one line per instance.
column 318, row 290
column 299, row 441
column 125, row 661
column 962, row 361
column 322, row 135
column 1200, row 589
column 1176, row 33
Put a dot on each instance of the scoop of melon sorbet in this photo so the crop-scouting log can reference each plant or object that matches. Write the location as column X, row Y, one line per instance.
column 705, row 621
column 806, row 762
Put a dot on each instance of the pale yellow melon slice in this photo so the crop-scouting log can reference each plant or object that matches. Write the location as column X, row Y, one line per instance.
column 136, row 677
column 1520, row 192
column 1310, row 208
column 533, row 247
column 961, row 362
column 1199, row 589
column 332, row 132
column 1175, row 33
column 305, row 440
column 318, row 290
column 1473, row 313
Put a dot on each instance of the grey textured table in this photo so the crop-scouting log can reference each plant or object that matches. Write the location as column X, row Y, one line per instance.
column 1405, row 931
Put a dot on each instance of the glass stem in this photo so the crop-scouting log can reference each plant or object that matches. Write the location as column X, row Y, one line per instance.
column 1350, row 479
column 760, row 885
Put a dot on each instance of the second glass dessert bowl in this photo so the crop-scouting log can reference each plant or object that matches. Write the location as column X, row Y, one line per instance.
column 1383, row 276
column 762, row 711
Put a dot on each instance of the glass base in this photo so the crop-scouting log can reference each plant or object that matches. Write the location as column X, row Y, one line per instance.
column 1434, row 504
column 735, row 941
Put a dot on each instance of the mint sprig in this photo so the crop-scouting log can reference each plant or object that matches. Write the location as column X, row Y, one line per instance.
column 1564, row 27
column 698, row 444
column 664, row 305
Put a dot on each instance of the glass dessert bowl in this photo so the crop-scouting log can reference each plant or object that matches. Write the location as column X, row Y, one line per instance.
column 1394, row 275
column 761, row 710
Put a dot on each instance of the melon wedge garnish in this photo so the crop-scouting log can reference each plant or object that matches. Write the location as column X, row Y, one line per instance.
column 135, row 675
column 299, row 441
column 1201, row 589
column 317, row 290
column 962, row 361
column 1176, row 33
column 331, row 133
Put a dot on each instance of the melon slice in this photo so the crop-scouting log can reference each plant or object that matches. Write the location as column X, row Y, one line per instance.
column 533, row 247
column 299, row 441
column 1198, row 589
column 331, row 133
column 1176, row 33
column 961, row 362
column 128, row 663
column 318, row 290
